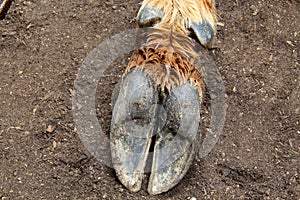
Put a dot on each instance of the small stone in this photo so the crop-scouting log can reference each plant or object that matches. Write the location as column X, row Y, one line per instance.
column 234, row 89
column 271, row 58
column 254, row 10
column 226, row 172
column 54, row 143
column 193, row 198
column 294, row 161
column 71, row 173
column 290, row 43
column 50, row 128
column 116, row 186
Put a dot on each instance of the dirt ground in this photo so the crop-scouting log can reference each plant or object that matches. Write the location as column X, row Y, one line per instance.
column 43, row 44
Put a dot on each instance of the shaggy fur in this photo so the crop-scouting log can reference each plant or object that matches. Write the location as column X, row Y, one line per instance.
column 180, row 13
column 168, row 54
column 167, row 62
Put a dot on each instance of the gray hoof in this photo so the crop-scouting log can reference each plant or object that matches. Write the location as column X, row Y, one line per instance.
column 149, row 16
column 145, row 116
column 204, row 32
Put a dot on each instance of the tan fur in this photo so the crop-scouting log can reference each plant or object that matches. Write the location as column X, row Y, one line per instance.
column 170, row 68
column 168, row 54
column 178, row 13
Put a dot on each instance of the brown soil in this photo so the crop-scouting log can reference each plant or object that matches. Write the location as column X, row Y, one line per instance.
column 43, row 44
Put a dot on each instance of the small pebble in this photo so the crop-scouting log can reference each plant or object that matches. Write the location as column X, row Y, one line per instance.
column 50, row 129
column 226, row 172
column 294, row 161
